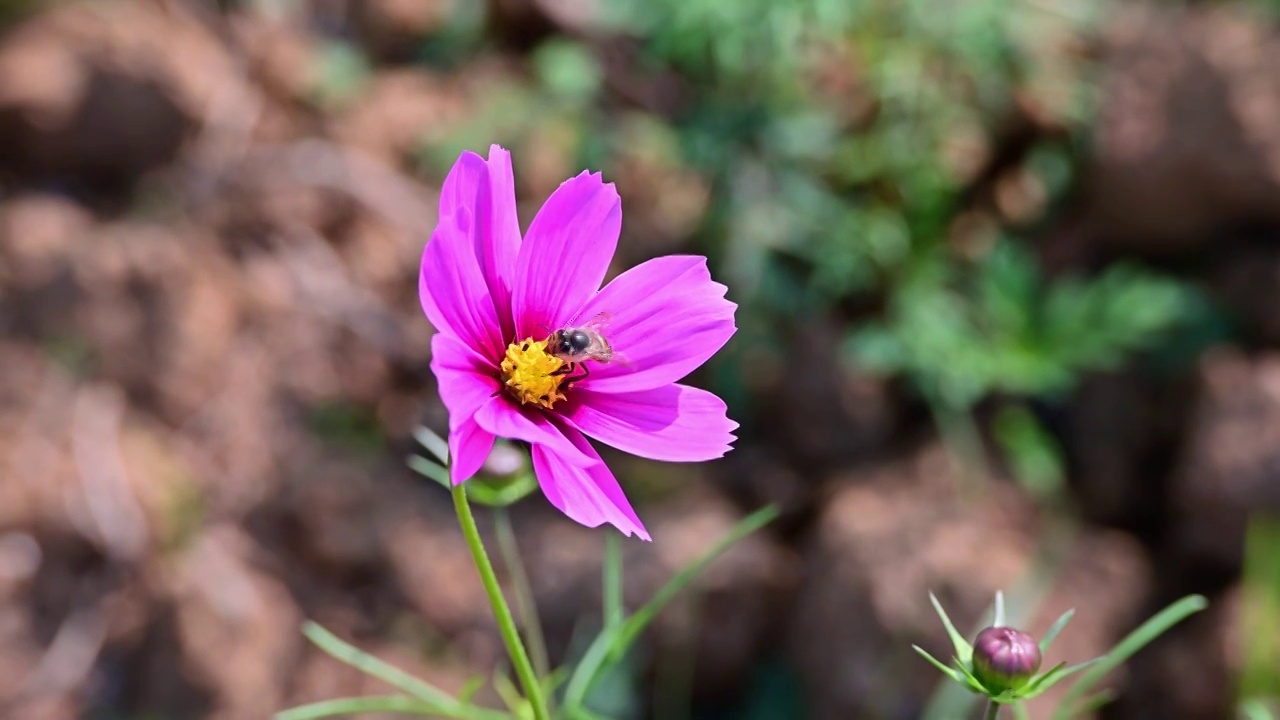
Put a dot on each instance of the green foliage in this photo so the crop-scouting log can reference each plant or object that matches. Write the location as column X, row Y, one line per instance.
column 568, row 70
column 1004, row 329
column 1032, row 453
column 75, row 354
column 1260, row 615
column 1259, row 709
column 421, row 697
column 1159, row 624
column 343, row 71
column 346, row 425
column 605, row 662
column 852, row 149
column 486, row 489
column 620, row 631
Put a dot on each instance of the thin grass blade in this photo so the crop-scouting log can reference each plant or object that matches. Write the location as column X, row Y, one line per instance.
column 1132, row 643
column 1093, row 703
column 613, row 640
column 637, row 622
column 1054, row 631
column 352, row 706
column 349, row 654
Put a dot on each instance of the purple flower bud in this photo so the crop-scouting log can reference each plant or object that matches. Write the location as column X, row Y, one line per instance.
column 1004, row 658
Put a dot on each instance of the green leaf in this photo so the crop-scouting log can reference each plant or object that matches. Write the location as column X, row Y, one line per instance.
column 372, row 666
column 588, row 668
column 878, row 349
column 585, row 714
column 1046, row 680
column 1256, row 709
column 434, row 444
column 510, row 695
column 1058, row 625
column 428, row 696
column 425, row 467
column 1033, row 454
column 950, row 671
column 641, row 619
column 613, row 640
column 964, row 651
column 970, row 679
column 484, row 491
column 470, row 688
column 353, row 706
column 1093, row 703
column 568, row 69
column 553, row 680
column 1259, row 674
column 1132, row 643
column 341, row 73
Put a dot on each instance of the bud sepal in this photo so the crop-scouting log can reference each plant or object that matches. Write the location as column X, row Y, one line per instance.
column 1004, row 663
column 505, row 478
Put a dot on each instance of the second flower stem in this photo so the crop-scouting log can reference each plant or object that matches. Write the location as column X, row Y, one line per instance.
column 526, row 605
column 501, row 612
column 993, row 710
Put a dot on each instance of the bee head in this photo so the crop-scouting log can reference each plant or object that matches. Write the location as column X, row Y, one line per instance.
column 572, row 342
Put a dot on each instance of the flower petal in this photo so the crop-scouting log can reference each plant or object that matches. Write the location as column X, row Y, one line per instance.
column 675, row 423
column 565, row 254
column 469, row 447
column 588, row 495
column 478, row 199
column 451, row 285
column 667, row 318
column 464, row 378
column 500, row 416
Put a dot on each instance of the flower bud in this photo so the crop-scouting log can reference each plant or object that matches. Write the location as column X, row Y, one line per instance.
column 505, row 461
column 1004, row 658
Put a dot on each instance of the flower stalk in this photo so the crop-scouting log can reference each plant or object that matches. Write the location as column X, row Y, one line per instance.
column 501, row 612
column 526, row 606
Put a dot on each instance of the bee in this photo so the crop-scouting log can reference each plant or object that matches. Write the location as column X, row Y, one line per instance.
column 576, row 344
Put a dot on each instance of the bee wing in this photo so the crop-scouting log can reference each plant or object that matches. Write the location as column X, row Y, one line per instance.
column 599, row 322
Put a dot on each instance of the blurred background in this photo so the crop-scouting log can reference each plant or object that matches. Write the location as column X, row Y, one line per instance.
column 1009, row 287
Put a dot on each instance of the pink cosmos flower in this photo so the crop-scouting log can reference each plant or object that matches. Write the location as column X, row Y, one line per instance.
column 495, row 298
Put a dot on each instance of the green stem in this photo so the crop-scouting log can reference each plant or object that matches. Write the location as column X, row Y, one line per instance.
column 963, row 440
column 526, row 605
column 612, row 591
column 501, row 613
column 993, row 709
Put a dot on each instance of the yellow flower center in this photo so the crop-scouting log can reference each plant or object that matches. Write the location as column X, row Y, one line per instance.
column 531, row 374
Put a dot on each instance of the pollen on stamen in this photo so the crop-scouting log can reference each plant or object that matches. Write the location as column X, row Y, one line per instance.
column 531, row 374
